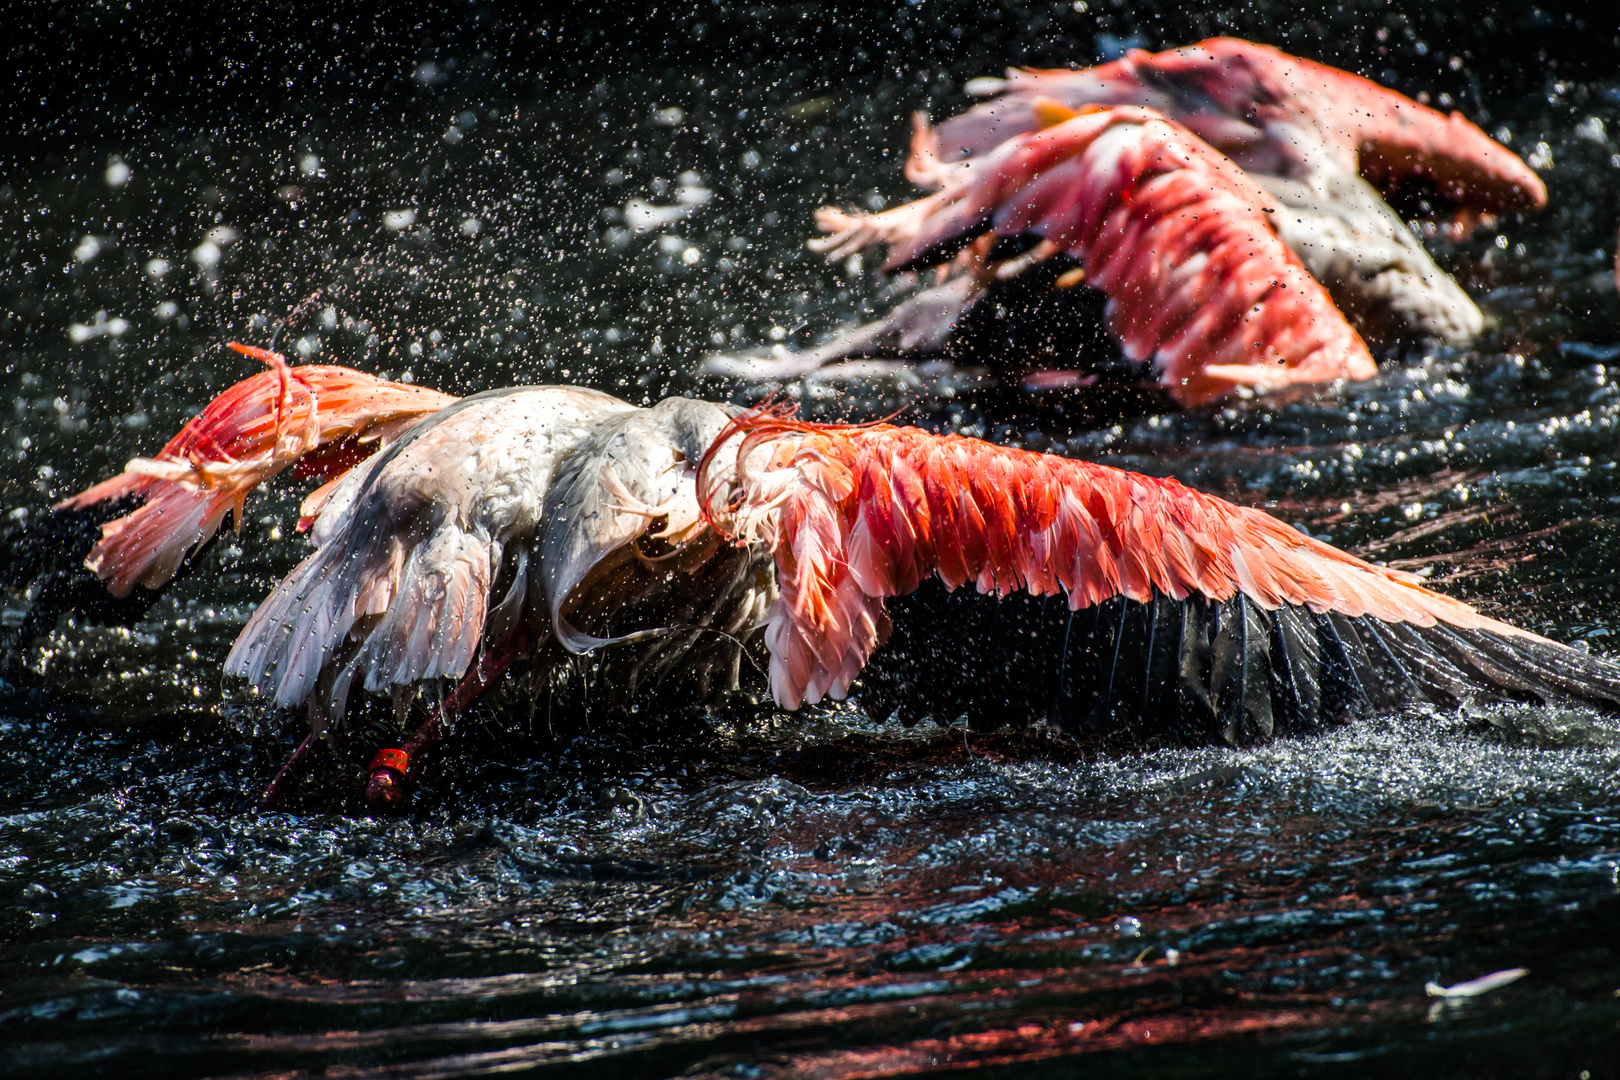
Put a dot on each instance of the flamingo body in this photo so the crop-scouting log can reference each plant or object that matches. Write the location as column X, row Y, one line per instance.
column 407, row 546
column 504, row 509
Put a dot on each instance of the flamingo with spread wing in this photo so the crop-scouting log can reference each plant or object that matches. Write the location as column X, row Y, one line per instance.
column 526, row 526
column 1201, row 190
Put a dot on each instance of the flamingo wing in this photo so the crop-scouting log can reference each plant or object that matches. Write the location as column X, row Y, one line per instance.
column 1252, row 618
column 922, row 323
column 1228, row 91
column 328, row 416
column 1389, row 136
column 1198, row 281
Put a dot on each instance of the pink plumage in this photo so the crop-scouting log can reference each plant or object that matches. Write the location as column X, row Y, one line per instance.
column 522, row 524
column 1228, row 90
column 246, row 435
column 1166, row 225
column 855, row 515
column 1176, row 235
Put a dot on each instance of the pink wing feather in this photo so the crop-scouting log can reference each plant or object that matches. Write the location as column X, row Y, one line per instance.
column 1174, row 233
column 1387, row 134
column 243, row 437
column 855, row 515
column 1222, row 88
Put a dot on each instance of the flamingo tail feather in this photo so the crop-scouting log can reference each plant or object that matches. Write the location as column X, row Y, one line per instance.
column 246, row 435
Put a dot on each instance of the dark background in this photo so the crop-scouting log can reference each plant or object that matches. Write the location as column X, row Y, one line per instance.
column 84, row 71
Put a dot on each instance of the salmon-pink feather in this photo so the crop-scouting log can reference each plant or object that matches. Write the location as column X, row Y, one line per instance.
column 1173, row 232
column 1012, row 520
column 246, row 435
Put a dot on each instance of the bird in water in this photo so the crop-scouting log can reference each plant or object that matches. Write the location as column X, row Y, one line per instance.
column 1217, row 205
column 460, row 543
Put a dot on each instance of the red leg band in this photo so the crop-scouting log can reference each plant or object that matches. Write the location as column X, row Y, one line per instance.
column 398, row 760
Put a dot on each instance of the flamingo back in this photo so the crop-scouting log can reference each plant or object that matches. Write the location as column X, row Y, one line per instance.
column 556, row 515
column 1228, row 91
column 409, row 546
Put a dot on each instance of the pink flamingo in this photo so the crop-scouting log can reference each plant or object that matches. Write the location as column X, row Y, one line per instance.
column 1201, row 190
column 528, row 525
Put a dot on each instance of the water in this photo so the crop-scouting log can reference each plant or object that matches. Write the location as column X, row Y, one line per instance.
column 757, row 894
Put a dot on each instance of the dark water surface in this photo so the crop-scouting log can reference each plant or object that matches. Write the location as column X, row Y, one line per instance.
column 770, row 895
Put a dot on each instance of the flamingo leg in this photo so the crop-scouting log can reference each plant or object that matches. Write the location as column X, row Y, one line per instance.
column 272, row 794
column 393, row 767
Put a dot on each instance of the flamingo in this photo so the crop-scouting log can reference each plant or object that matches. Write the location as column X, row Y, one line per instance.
column 1201, row 190
column 530, row 525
